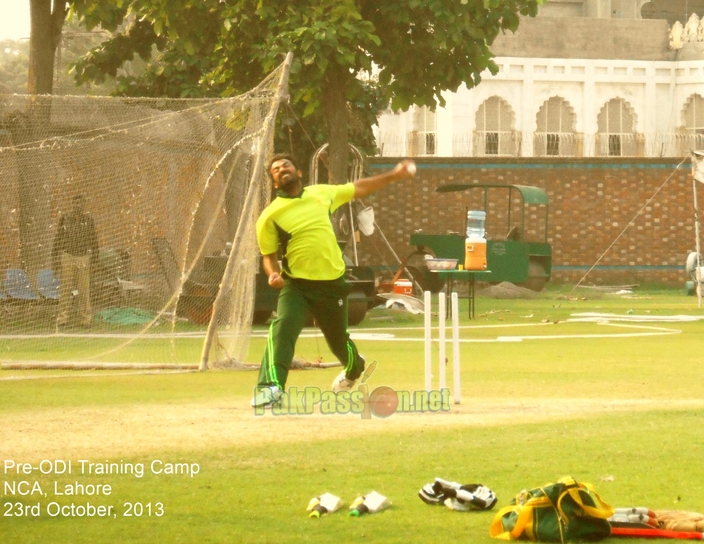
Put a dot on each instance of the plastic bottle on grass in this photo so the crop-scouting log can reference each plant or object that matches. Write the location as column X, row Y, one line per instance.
column 327, row 503
column 369, row 504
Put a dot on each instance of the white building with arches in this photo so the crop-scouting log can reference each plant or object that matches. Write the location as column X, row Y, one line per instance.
column 586, row 78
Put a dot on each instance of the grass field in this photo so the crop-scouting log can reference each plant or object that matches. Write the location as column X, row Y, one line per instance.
column 618, row 405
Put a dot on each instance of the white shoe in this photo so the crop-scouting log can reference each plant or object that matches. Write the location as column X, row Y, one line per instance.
column 342, row 383
column 266, row 396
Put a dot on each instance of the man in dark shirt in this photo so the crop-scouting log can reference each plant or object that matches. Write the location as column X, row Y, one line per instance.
column 75, row 249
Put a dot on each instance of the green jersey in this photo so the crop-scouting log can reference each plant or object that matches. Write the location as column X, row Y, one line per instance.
column 303, row 226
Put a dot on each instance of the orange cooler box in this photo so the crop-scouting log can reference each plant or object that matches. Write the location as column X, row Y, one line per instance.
column 475, row 254
column 403, row 287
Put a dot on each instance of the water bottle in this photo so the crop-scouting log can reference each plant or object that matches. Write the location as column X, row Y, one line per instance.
column 476, row 221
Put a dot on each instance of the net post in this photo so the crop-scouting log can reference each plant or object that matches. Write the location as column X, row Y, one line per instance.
column 246, row 211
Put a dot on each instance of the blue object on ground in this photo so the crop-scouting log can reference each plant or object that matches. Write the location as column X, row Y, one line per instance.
column 17, row 285
column 48, row 284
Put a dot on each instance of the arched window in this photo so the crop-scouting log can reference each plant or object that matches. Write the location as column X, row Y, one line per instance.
column 692, row 125
column 555, row 135
column 694, row 115
column 421, row 140
column 495, row 134
column 616, row 135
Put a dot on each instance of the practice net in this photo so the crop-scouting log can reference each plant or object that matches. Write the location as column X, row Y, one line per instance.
column 119, row 219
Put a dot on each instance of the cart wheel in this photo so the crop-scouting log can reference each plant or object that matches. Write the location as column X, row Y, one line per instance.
column 537, row 276
column 426, row 279
column 356, row 307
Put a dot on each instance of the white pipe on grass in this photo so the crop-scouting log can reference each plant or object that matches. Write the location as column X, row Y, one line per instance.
column 441, row 339
column 456, row 348
column 427, row 309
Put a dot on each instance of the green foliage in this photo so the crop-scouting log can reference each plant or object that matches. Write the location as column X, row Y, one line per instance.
column 75, row 42
column 419, row 49
column 444, row 44
column 14, row 59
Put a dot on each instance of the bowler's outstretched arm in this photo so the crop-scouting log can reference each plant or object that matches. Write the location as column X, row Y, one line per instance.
column 366, row 186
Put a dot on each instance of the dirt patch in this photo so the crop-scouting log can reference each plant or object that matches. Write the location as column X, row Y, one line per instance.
column 507, row 290
column 143, row 429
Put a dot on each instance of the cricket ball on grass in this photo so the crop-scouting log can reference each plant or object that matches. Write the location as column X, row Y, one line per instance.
column 383, row 401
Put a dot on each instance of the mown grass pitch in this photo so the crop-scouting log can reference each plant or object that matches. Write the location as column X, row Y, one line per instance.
column 624, row 413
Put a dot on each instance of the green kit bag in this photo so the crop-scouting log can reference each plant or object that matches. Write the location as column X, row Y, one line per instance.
column 561, row 512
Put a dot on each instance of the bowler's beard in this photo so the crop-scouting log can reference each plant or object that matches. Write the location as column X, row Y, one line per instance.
column 288, row 180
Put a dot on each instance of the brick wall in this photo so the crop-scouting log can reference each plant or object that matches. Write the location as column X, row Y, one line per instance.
column 592, row 201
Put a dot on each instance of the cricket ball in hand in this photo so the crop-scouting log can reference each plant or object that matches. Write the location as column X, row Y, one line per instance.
column 383, row 401
column 411, row 168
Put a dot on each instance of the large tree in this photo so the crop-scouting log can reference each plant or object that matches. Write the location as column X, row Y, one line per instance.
column 33, row 123
column 416, row 49
column 14, row 60
column 46, row 21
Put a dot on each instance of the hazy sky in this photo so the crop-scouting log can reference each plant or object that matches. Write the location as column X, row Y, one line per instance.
column 14, row 19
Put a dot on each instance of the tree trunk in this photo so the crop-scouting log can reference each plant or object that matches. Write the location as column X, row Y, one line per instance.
column 47, row 19
column 334, row 102
column 36, row 169
column 335, row 109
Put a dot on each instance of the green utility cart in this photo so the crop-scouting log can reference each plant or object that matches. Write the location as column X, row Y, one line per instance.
column 520, row 255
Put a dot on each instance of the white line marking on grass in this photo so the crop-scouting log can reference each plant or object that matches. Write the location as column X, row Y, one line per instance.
column 651, row 331
column 595, row 317
column 371, row 336
column 101, row 375
column 468, row 327
column 645, row 327
column 379, row 333
column 149, row 336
